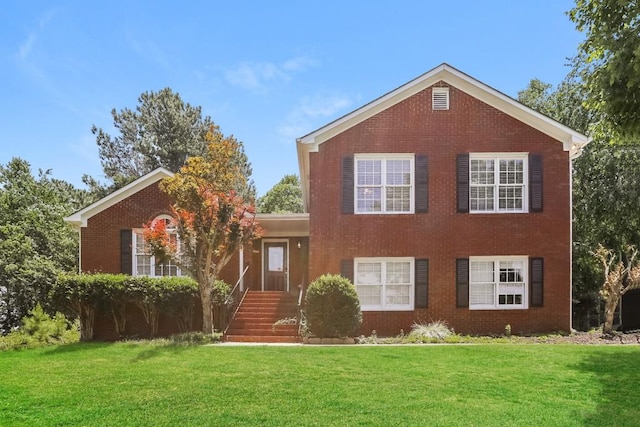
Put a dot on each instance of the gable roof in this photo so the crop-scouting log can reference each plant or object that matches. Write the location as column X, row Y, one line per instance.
column 572, row 141
column 80, row 218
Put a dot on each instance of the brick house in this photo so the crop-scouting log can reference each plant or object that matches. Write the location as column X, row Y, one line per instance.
column 444, row 199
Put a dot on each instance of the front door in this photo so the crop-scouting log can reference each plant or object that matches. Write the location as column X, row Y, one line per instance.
column 275, row 264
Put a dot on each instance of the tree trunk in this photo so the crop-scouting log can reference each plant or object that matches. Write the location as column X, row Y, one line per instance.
column 207, row 315
column 610, row 306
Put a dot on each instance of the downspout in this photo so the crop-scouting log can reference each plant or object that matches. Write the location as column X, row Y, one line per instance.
column 571, row 158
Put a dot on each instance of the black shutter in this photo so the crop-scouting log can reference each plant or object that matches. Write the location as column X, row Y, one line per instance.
column 422, row 184
column 125, row 252
column 346, row 269
column 462, row 282
column 422, row 283
column 347, row 185
column 535, row 183
column 536, row 273
column 462, row 178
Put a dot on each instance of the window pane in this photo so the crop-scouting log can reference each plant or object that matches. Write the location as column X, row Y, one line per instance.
column 369, row 295
column 398, row 172
column 398, row 294
column 398, row 199
column 482, row 172
column 398, row 272
column 511, row 171
column 481, row 293
column 511, row 271
column 143, row 265
column 481, row 198
column 369, row 172
column 368, row 273
column 369, row 199
column 510, row 198
column 481, row 272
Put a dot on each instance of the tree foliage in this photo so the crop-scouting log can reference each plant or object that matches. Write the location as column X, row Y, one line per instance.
column 284, row 197
column 609, row 60
column 35, row 242
column 606, row 188
column 211, row 218
column 163, row 131
column 621, row 274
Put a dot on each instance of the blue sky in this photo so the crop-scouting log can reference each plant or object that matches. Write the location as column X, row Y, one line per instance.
column 267, row 72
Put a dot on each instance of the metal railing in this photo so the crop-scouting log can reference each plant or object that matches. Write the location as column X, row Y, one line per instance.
column 233, row 301
column 303, row 288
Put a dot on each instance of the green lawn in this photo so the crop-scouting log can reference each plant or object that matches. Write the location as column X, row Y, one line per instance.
column 129, row 384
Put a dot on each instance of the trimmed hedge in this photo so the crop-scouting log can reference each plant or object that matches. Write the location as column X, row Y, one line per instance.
column 82, row 295
column 332, row 307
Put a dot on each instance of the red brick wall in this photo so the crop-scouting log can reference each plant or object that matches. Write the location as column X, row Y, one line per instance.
column 442, row 235
column 100, row 239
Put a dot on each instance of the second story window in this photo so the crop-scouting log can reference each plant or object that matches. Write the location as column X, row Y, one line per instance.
column 384, row 183
column 497, row 182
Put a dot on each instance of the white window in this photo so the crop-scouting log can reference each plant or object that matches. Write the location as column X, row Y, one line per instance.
column 497, row 182
column 498, row 283
column 384, row 183
column 440, row 98
column 384, row 283
column 144, row 263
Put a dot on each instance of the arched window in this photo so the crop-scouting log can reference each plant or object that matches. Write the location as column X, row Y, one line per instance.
column 144, row 263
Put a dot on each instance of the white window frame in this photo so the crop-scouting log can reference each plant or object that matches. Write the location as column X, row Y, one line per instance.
column 498, row 286
column 497, row 157
column 383, row 158
column 137, row 235
column 383, row 306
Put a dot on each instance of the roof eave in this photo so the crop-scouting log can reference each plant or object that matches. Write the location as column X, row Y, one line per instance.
column 81, row 218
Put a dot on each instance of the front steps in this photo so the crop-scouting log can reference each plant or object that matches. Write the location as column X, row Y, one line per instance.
column 255, row 318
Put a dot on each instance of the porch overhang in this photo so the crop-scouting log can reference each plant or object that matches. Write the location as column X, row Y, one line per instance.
column 284, row 225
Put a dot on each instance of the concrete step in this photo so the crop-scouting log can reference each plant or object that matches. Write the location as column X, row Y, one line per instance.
column 269, row 332
column 262, row 339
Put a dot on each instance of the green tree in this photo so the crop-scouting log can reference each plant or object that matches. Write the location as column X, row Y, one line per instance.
column 163, row 131
column 35, row 242
column 608, row 60
column 621, row 274
column 606, row 189
column 284, row 197
column 211, row 218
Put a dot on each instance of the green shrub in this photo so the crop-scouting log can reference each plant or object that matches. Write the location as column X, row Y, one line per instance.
column 39, row 329
column 332, row 308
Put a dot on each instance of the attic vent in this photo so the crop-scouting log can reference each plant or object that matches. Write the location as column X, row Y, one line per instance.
column 440, row 98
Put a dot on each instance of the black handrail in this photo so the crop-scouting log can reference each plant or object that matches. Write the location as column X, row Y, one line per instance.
column 302, row 288
column 232, row 303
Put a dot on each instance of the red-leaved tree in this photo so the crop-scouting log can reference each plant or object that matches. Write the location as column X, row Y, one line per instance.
column 211, row 219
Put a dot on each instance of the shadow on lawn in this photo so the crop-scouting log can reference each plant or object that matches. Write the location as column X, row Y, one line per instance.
column 618, row 373
column 75, row 347
column 150, row 351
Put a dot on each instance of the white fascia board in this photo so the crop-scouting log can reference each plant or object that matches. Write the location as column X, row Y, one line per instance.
column 303, row 166
column 80, row 218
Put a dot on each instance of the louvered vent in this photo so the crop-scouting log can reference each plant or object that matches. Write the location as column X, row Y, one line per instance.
column 440, row 98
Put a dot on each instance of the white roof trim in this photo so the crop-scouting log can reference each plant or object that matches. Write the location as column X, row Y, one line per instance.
column 572, row 141
column 80, row 218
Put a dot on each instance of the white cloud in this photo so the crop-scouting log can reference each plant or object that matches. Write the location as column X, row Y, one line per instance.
column 300, row 63
column 26, row 47
column 257, row 76
column 313, row 112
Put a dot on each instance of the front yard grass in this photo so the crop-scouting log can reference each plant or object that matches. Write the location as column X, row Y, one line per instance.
column 146, row 384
